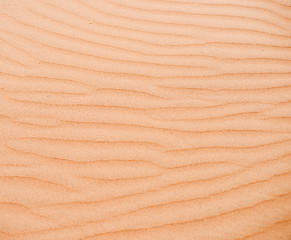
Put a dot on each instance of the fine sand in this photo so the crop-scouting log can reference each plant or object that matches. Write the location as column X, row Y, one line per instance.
column 145, row 120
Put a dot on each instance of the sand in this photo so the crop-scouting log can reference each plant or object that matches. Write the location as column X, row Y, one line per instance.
column 145, row 120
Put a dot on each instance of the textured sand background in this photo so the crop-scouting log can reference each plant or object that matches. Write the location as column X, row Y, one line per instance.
column 145, row 120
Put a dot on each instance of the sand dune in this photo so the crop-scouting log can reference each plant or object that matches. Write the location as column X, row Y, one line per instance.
column 148, row 119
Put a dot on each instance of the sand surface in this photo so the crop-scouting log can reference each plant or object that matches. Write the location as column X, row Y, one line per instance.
column 145, row 120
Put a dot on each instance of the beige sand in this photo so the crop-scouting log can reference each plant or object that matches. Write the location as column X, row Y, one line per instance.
column 145, row 119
